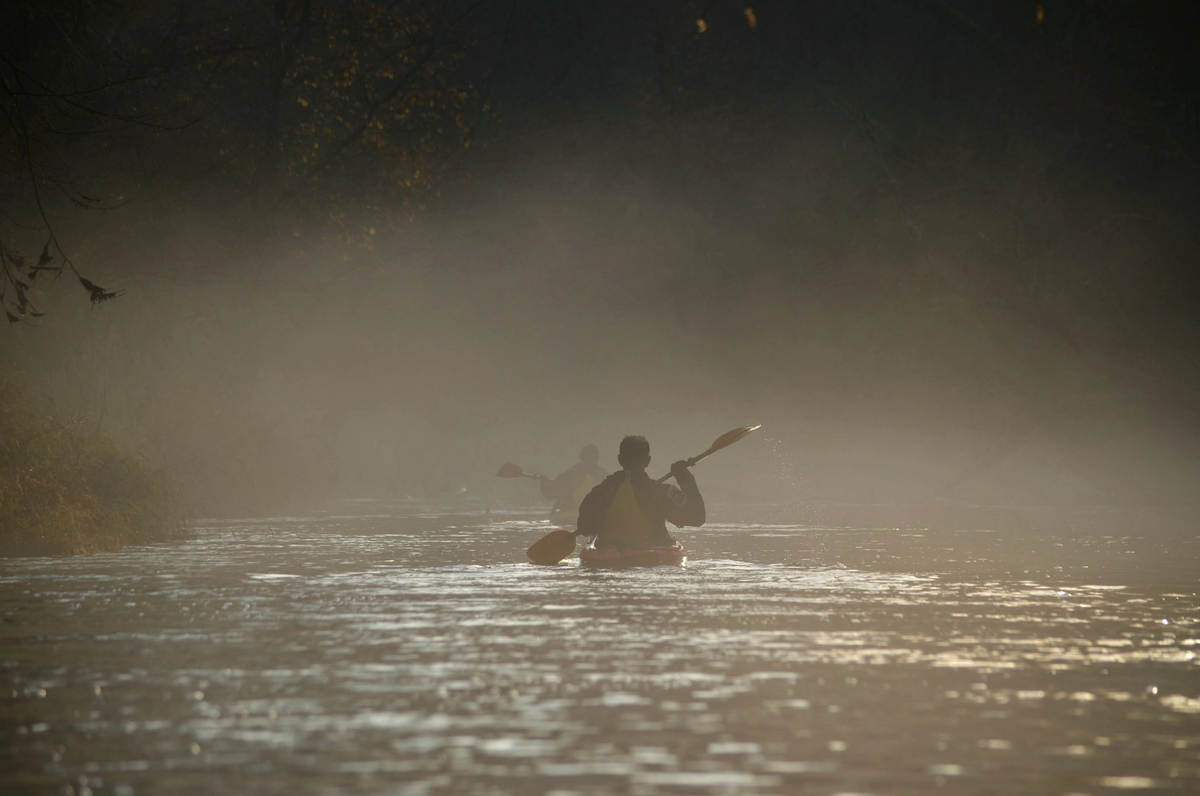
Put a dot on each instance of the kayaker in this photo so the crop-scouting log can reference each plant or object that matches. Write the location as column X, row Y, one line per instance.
column 629, row 509
column 568, row 490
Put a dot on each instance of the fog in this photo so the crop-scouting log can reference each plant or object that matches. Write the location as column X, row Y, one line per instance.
column 968, row 280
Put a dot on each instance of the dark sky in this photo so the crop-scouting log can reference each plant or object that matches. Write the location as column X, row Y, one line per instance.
column 563, row 60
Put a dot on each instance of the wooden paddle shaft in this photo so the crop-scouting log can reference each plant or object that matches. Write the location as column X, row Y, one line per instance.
column 721, row 442
column 690, row 463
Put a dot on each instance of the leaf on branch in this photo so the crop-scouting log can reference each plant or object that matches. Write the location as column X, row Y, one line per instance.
column 99, row 294
column 12, row 318
column 46, row 257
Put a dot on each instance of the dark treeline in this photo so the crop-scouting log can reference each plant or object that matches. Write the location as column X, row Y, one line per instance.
column 942, row 249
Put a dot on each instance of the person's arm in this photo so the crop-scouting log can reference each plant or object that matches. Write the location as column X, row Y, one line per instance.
column 685, row 505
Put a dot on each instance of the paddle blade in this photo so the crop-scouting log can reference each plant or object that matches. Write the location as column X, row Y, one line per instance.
column 730, row 437
column 552, row 548
column 510, row 470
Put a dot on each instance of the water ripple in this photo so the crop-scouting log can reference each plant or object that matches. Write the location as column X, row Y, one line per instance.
column 408, row 649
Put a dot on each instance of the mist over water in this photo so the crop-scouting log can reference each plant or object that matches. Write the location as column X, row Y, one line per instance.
column 385, row 647
column 526, row 326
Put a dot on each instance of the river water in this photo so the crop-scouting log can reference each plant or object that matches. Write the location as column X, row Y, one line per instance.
column 405, row 648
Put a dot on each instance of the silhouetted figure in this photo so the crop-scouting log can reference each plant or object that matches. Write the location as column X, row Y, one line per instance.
column 568, row 490
column 629, row 509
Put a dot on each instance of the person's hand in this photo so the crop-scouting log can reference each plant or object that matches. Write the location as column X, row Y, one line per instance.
column 680, row 469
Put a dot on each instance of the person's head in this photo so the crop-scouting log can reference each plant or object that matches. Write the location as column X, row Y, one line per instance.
column 634, row 453
column 590, row 454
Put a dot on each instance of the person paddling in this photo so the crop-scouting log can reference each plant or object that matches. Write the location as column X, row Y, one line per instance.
column 629, row 509
column 568, row 490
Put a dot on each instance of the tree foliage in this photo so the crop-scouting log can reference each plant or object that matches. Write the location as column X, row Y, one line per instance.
column 344, row 112
column 343, row 106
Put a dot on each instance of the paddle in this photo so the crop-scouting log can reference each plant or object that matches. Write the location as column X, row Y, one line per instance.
column 723, row 441
column 511, row 470
column 557, row 545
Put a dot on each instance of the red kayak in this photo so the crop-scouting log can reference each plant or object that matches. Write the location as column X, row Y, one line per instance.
column 613, row 558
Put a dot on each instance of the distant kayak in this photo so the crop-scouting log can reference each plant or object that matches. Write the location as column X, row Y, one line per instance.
column 613, row 558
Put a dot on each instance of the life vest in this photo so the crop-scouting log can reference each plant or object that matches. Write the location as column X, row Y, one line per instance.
column 626, row 525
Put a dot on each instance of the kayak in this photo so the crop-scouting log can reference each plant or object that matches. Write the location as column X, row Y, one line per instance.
column 671, row 555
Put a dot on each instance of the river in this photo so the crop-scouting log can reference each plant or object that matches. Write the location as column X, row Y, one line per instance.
column 405, row 648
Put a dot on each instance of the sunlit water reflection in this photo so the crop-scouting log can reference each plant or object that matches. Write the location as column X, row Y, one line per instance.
column 405, row 649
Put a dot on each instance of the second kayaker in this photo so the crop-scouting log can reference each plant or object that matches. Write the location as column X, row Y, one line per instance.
column 569, row 489
column 629, row 509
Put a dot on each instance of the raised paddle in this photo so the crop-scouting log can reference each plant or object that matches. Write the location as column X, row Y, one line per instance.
column 511, row 470
column 723, row 441
column 557, row 545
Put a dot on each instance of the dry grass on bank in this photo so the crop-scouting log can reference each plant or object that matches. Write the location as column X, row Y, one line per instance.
column 65, row 490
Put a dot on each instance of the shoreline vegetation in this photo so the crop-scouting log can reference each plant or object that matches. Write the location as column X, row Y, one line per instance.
column 65, row 490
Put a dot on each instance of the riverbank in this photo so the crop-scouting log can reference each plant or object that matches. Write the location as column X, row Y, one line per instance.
column 66, row 490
